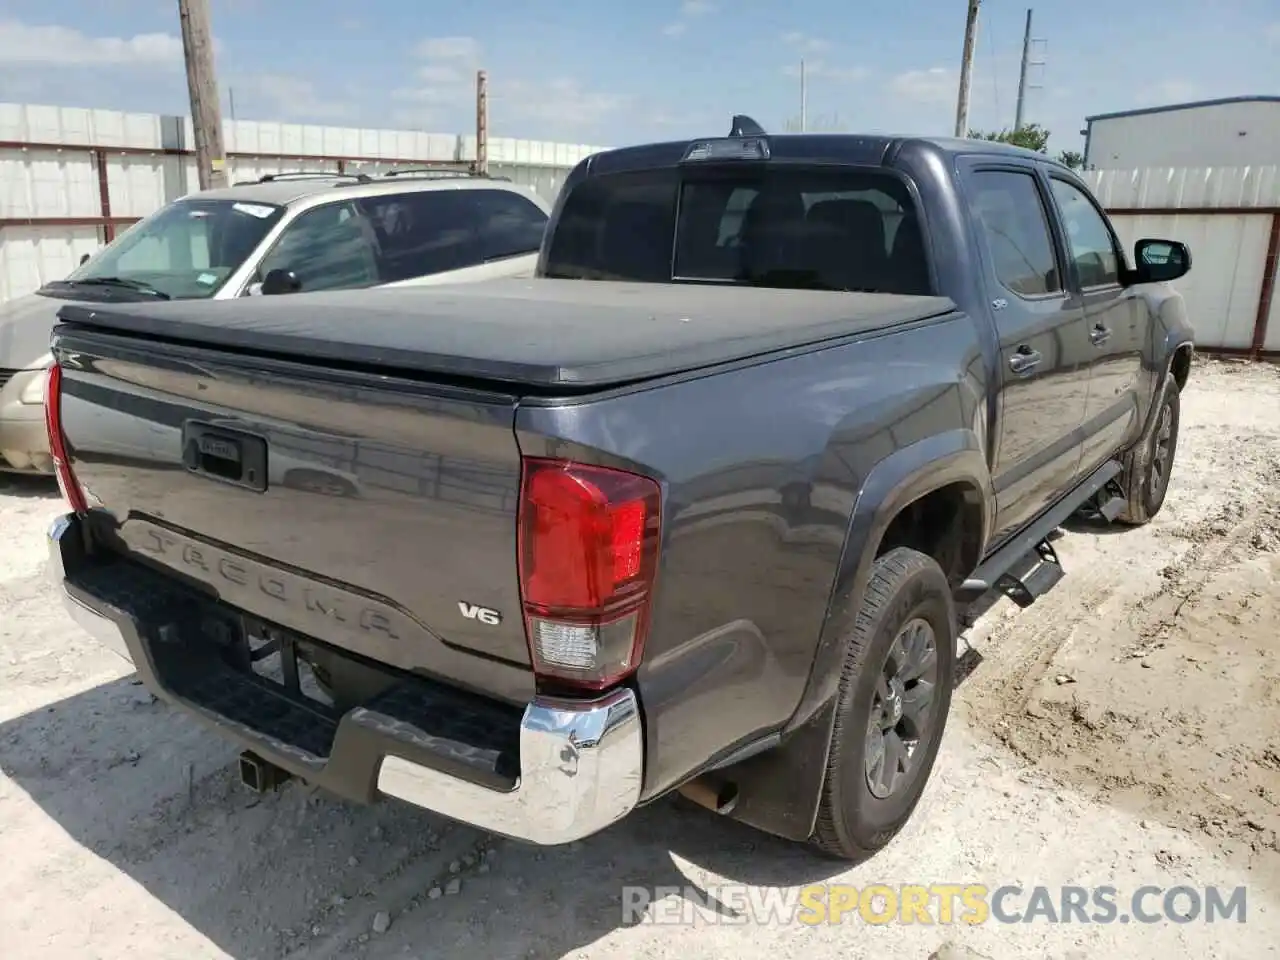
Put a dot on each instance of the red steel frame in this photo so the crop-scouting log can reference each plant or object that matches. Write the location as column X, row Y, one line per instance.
column 109, row 223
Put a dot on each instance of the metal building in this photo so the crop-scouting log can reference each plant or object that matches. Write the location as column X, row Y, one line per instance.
column 1232, row 132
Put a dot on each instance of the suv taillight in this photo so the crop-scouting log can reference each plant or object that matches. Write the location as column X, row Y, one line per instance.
column 588, row 551
column 67, row 482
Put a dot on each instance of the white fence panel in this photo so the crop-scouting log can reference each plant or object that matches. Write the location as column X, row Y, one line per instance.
column 55, row 182
column 32, row 256
column 1212, row 210
column 1227, row 256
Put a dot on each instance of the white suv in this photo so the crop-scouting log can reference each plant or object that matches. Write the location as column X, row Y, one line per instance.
column 285, row 233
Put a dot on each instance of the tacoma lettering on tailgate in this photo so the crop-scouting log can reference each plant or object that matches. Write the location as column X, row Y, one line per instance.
column 288, row 598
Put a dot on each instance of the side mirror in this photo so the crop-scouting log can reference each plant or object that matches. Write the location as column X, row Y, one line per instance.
column 280, row 281
column 1159, row 261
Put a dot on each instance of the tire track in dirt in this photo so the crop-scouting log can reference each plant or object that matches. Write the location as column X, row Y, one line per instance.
column 1019, row 649
column 1234, row 534
column 1151, row 684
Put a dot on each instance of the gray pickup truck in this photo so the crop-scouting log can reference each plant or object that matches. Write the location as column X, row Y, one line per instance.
column 698, row 508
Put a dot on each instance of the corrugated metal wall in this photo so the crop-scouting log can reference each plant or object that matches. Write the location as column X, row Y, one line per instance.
column 70, row 182
column 1230, row 217
column 1227, row 134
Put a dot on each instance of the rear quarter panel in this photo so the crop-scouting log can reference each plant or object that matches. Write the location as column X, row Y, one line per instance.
column 762, row 465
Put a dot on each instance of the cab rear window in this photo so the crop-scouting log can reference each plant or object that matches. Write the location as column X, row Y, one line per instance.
column 813, row 228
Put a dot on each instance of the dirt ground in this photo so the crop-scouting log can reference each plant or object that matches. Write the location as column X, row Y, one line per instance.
column 1125, row 730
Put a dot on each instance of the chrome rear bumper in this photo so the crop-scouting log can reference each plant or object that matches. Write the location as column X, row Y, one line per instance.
column 581, row 763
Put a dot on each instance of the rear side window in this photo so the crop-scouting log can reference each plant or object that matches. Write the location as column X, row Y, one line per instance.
column 771, row 226
column 1010, row 213
column 418, row 234
column 510, row 225
column 328, row 248
column 433, row 231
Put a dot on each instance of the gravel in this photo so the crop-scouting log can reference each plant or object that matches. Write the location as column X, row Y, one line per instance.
column 123, row 831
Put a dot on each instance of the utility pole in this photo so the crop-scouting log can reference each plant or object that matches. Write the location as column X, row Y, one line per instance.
column 966, row 68
column 1023, row 80
column 1022, row 75
column 482, row 122
column 206, row 110
column 804, row 101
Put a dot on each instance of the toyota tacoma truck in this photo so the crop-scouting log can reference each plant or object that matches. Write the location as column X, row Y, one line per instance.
column 699, row 507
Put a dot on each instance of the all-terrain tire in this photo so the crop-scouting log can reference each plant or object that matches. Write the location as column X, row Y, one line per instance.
column 905, row 586
column 1148, row 466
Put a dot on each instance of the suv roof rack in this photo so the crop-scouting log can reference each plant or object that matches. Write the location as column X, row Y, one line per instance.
column 305, row 175
column 426, row 173
column 442, row 173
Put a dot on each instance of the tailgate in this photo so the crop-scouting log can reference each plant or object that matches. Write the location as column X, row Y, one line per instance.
column 377, row 516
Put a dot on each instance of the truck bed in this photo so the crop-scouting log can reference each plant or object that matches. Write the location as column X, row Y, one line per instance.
column 542, row 335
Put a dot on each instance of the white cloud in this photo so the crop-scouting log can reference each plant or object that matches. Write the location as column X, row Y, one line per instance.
column 561, row 104
column 1168, row 91
column 285, row 95
column 442, row 74
column 66, row 47
column 805, row 43
column 465, row 49
column 821, row 68
column 689, row 10
column 444, row 89
column 935, row 85
column 445, row 81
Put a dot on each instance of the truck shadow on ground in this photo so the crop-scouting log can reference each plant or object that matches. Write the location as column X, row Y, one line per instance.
column 300, row 874
column 28, row 486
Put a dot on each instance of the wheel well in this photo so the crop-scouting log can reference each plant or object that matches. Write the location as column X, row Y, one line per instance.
column 945, row 524
column 1181, row 365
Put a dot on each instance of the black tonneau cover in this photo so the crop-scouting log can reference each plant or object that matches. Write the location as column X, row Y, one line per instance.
column 538, row 333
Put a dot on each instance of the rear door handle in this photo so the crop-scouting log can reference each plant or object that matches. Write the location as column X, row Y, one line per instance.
column 1025, row 360
column 1099, row 335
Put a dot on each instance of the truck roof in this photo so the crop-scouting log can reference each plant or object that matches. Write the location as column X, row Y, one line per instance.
column 542, row 334
column 849, row 148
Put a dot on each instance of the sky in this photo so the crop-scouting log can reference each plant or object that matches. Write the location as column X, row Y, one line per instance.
column 589, row 72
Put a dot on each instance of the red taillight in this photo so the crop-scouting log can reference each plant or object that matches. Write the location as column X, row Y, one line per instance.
column 588, row 557
column 67, row 482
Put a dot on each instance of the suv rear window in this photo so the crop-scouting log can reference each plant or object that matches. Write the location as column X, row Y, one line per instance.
column 777, row 227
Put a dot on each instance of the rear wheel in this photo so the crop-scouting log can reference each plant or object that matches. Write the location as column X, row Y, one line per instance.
column 1147, row 468
column 895, row 693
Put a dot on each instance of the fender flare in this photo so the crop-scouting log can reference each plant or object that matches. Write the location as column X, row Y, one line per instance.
column 956, row 456
column 781, row 788
column 1174, row 341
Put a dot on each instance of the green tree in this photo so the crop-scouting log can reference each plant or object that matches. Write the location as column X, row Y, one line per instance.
column 1072, row 158
column 1031, row 137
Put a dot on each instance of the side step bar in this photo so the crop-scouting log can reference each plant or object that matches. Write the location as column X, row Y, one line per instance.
column 1027, row 567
